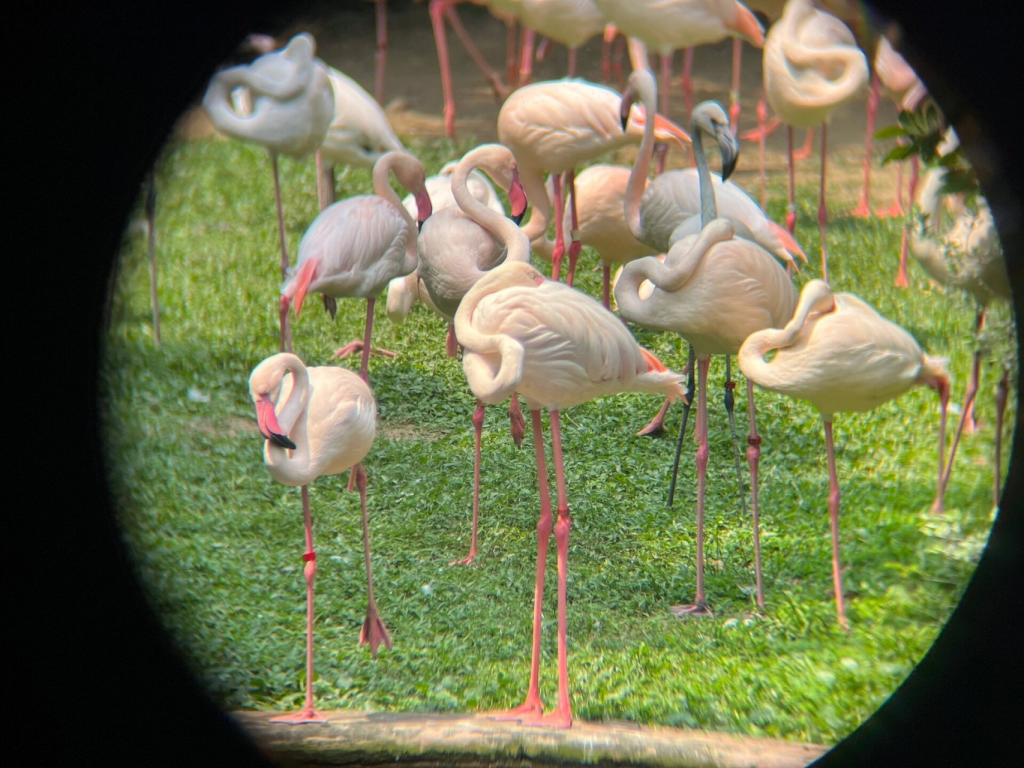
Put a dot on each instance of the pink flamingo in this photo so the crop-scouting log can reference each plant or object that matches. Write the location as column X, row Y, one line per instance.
column 292, row 104
column 318, row 421
column 839, row 354
column 554, row 126
column 356, row 246
column 457, row 247
column 664, row 25
column 558, row 348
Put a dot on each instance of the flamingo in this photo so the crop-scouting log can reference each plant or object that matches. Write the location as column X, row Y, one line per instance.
column 292, row 104
column 457, row 247
column 556, row 125
column 839, row 354
column 356, row 246
column 359, row 132
column 907, row 91
column 967, row 255
column 714, row 289
column 558, row 348
column 600, row 191
column 568, row 22
column 669, row 207
column 318, row 421
column 811, row 65
column 664, row 25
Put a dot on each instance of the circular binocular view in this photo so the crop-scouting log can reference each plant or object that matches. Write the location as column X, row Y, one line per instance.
column 582, row 380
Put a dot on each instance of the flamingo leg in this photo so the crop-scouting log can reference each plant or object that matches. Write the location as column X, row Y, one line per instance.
column 665, row 86
column 896, row 209
column 606, row 53
column 437, row 12
column 682, row 428
column 730, row 408
column 321, row 181
column 526, row 56
column 381, row 57
column 500, row 89
column 307, row 714
column 863, row 209
column 517, row 424
column 753, row 459
column 572, row 62
column 833, row 511
column 575, row 244
column 532, row 708
column 822, row 212
column 657, row 424
column 561, row 717
column 700, row 608
column 734, row 91
column 364, row 345
column 901, row 274
column 286, row 324
column 478, row 426
column 511, row 60
column 969, row 395
column 559, row 250
column 451, row 344
column 1002, row 391
column 805, row 151
column 151, row 245
column 687, row 82
column 762, row 116
column 374, row 632
column 791, row 208
column 618, row 55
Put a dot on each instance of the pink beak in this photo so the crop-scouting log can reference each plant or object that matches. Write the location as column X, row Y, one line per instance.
column 517, row 197
column 266, row 420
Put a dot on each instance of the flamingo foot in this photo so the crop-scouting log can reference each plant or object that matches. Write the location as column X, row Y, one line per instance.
column 756, row 134
column 374, row 632
column 307, row 715
column 357, row 346
column 467, row 560
column 517, row 424
column 657, row 424
column 790, row 222
column 862, row 211
column 698, row 610
column 891, row 212
column 530, row 710
column 557, row 719
column 901, row 278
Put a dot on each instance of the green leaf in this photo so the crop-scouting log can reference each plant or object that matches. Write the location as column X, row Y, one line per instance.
column 899, row 152
column 890, row 132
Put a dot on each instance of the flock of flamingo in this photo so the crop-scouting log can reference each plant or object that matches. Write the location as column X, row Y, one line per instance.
column 699, row 257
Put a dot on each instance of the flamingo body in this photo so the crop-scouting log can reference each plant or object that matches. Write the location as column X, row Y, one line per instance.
column 897, row 76
column 359, row 132
column 568, row 22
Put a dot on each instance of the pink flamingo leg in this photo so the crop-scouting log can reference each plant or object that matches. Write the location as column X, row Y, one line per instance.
column 478, row 426
column 606, row 55
column 572, row 62
column 687, row 82
column 896, row 209
column 968, row 407
column 559, row 250
column 532, row 707
column 791, row 208
column 511, row 59
column 381, row 56
column 762, row 116
column 618, row 55
column 833, row 510
column 665, row 85
column 805, row 151
column 500, row 89
column 517, row 424
column 753, row 459
column 542, row 48
column 437, row 10
column 700, row 608
column 1002, row 391
column 734, row 92
column 364, row 345
column 901, row 274
column 657, row 424
column 373, row 632
column 822, row 213
column 863, row 209
column 286, row 324
column 451, row 344
column 307, row 714
column 561, row 717
column 526, row 56
column 575, row 244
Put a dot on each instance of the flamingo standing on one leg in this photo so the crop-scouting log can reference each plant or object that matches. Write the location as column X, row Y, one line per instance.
column 969, row 256
column 665, row 25
column 458, row 246
column 811, row 65
column 292, row 106
column 714, row 289
column 841, row 355
column 318, row 421
column 554, row 126
column 356, row 246
column 558, row 348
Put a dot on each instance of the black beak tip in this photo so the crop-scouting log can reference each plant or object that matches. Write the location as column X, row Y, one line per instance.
column 419, row 226
column 282, row 441
column 729, row 167
column 624, row 119
column 518, row 219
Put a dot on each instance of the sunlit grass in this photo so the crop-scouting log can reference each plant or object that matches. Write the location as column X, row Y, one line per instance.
column 217, row 543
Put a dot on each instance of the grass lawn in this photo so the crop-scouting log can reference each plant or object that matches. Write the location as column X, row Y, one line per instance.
column 218, row 543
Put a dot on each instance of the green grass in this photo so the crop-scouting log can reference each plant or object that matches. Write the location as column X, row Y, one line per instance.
column 217, row 543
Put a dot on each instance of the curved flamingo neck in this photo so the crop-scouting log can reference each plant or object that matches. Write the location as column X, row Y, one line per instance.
column 292, row 464
column 382, row 188
column 536, row 228
column 495, row 161
column 708, row 208
column 642, row 166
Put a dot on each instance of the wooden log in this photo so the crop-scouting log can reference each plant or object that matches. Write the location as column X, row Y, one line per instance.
column 350, row 738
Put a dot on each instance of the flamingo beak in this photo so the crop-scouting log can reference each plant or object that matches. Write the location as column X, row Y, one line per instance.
column 730, row 149
column 517, row 198
column 746, row 25
column 266, row 420
column 423, row 208
column 627, row 102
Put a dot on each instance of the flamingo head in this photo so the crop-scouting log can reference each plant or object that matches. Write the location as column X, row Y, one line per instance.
column 423, row 207
column 266, row 420
column 746, row 25
column 517, row 196
column 711, row 118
